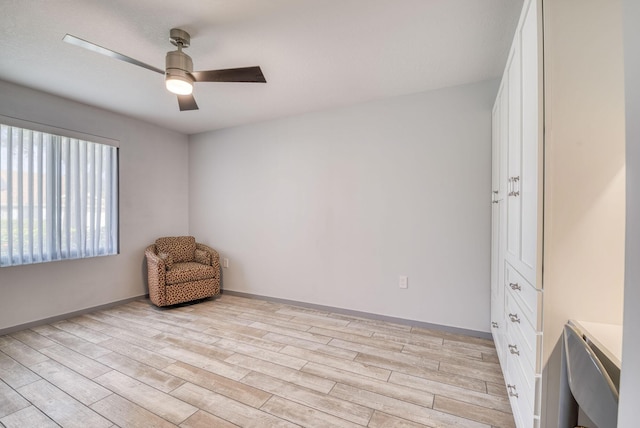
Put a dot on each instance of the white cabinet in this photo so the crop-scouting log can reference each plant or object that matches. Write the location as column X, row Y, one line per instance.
column 516, row 237
column 558, row 128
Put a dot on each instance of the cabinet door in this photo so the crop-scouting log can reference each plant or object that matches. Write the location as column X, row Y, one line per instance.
column 530, row 142
column 523, row 72
column 497, row 309
column 498, row 211
column 514, row 153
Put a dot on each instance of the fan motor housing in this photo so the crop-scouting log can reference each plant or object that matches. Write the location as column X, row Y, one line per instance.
column 179, row 60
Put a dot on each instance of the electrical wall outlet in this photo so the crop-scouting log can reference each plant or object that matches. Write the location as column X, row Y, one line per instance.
column 403, row 281
column 225, row 262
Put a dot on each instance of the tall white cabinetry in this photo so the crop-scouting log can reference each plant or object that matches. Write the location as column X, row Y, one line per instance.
column 516, row 209
column 577, row 92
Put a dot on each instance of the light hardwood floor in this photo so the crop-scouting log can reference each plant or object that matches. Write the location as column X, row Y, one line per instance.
column 243, row 362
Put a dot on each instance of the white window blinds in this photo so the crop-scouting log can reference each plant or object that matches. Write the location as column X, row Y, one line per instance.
column 58, row 197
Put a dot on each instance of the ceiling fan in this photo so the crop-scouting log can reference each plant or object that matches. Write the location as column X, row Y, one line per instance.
column 179, row 74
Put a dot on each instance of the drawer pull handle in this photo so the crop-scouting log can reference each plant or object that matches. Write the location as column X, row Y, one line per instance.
column 515, row 286
column 512, row 388
column 514, row 349
column 514, row 318
column 494, row 324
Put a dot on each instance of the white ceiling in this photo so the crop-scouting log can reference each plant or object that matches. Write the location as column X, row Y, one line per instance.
column 315, row 54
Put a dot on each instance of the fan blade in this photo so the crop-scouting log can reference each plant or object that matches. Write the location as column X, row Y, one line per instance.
column 245, row 74
column 107, row 52
column 187, row 102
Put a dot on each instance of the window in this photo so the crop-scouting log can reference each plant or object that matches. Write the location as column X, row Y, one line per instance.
column 58, row 194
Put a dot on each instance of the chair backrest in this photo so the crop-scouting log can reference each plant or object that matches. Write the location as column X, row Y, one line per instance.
column 181, row 248
column 589, row 382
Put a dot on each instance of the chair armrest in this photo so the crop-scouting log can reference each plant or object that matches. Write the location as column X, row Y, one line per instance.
column 156, row 276
column 153, row 259
column 215, row 257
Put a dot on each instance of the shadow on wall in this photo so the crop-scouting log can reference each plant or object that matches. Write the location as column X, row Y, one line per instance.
column 145, row 275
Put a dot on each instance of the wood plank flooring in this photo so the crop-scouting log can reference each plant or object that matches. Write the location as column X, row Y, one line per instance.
column 243, row 362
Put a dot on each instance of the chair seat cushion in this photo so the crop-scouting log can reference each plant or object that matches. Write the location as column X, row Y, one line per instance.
column 189, row 271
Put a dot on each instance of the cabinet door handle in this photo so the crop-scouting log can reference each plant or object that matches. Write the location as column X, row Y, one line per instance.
column 514, row 286
column 512, row 388
column 514, row 318
column 494, row 197
column 513, row 181
column 494, row 324
column 514, row 350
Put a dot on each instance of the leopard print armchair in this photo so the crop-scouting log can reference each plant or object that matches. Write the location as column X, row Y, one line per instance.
column 181, row 270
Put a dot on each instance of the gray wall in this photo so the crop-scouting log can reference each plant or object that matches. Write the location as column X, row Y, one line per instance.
column 153, row 202
column 630, row 381
column 331, row 207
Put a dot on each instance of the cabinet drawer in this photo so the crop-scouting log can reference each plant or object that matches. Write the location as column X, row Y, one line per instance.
column 516, row 353
column 524, row 293
column 521, row 339
column 521, row 395
column 527, row 378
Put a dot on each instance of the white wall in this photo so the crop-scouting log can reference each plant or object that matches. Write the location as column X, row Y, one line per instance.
column 584, row 182
column 584, row 165
column 630, row 376
column 331, row 207
column 153, row 202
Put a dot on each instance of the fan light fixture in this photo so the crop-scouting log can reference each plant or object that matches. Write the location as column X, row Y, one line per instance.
column 179, row 85
column 179, row 79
